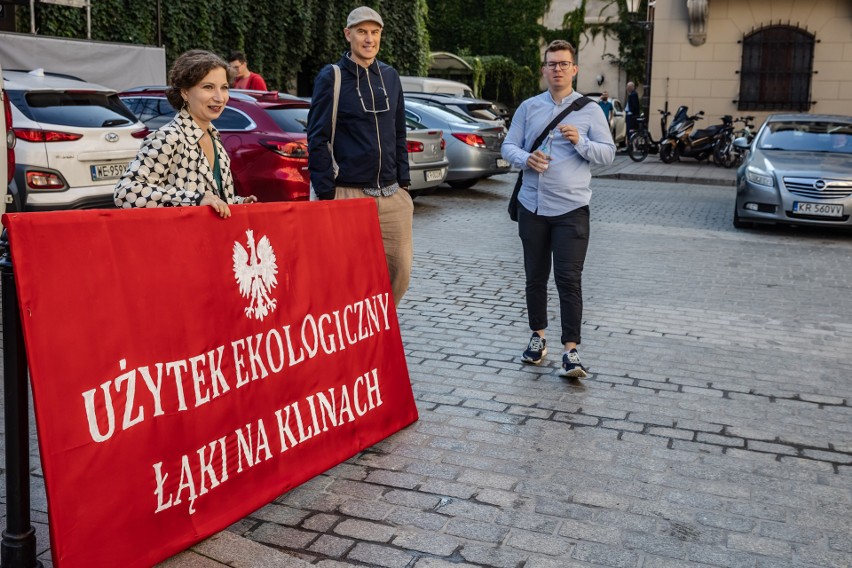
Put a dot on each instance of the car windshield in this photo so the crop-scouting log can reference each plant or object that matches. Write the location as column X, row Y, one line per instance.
column 833, row 137
column 154, row 112
column 446, row 114
column 290, row 118
column 81, row 109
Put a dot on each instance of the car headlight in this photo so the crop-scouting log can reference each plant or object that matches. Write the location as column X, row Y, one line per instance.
column 758, row 176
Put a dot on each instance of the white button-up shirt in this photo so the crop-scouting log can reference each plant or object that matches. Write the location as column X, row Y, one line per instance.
column 564, row 186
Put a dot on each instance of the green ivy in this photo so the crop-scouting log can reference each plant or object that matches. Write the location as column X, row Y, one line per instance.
column 489, row 27
column 631, row 36
column 508, row 35
column 286, row 41
column 498, row 78
column 573, row 24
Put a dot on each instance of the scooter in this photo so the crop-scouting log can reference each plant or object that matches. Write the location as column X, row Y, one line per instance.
column 681, row 141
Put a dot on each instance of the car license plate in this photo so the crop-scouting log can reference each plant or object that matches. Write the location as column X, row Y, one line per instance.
column 434, row 175
column 821, row 209
column 501, row 163
column 107, row 171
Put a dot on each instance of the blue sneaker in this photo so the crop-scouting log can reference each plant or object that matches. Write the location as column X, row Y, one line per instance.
column 536, row 350
column 571, row 366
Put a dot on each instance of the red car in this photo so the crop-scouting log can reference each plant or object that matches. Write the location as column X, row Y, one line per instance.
column 264, row 133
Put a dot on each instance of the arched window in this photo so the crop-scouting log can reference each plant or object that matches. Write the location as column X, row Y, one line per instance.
column 776, row 69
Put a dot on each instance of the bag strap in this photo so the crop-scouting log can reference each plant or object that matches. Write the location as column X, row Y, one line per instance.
column 336, row 99
column 576, row 105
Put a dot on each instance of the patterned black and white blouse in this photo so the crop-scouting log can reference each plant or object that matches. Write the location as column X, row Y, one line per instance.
column 171, row 169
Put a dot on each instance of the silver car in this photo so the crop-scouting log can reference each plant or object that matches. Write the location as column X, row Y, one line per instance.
column 477, row 109
column 798, row 171
column 473, row 148
column 427, row 162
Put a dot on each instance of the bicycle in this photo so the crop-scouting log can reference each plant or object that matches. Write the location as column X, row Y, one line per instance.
column 641, row 143
column 726, row 154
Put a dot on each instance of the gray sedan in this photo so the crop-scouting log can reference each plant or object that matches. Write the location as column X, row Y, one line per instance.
column 473, row 148
column 798, row 171
column 477, row 109
column 426, row 160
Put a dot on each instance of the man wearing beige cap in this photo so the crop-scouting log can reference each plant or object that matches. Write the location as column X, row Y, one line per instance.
column 369, row 140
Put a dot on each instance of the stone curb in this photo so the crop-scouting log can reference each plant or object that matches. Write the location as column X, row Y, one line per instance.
column 667, row 179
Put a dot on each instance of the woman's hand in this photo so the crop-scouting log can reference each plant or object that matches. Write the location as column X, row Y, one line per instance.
column 217, row 204
column 250, row 199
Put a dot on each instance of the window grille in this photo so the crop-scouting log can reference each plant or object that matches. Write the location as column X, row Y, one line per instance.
column 777, row 67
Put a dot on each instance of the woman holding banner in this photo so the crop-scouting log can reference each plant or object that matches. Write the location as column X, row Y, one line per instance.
column 184, row 162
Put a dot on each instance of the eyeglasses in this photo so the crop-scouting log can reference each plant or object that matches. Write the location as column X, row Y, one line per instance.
column 374, row 110
column 360, row 98
column 561, row 65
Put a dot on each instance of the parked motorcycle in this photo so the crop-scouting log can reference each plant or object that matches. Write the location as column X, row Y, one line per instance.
column 681, row 141
column 725, row 153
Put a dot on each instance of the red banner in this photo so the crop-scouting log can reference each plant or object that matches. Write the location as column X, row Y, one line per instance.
column 187, row 370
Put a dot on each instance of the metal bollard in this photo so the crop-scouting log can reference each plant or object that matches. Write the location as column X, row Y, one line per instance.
column 18, row 546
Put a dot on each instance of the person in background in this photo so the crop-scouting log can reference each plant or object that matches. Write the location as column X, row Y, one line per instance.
column 632, row 110
column 606, row 106
column 553, row 202
column 369, row 143
column 183, row 162
column 243, row 78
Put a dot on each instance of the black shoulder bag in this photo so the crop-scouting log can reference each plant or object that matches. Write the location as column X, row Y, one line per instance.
column 576, row 105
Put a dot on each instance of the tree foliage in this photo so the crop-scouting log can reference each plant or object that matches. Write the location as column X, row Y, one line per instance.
column 498, row 78
column 286, row 41
column 505, row 36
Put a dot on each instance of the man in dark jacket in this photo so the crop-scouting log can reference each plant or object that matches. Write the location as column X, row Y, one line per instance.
column 369, row 144
column 632, row 110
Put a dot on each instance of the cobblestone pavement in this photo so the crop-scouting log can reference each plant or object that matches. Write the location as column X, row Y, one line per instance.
column 715, row 430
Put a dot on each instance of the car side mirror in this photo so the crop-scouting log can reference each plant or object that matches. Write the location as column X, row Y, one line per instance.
column 741, row 143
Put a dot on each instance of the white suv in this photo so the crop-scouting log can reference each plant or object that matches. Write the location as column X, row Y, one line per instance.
column 74, row 139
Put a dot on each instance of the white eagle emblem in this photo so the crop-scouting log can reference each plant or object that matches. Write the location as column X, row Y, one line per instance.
column 255, row 274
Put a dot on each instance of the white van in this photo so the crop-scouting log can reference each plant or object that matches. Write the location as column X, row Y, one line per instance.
column 433, row 85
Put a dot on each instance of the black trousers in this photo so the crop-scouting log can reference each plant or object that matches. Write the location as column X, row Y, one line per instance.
column 561, row 242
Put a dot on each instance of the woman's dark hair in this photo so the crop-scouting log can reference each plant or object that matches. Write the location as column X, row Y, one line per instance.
column 189, row 69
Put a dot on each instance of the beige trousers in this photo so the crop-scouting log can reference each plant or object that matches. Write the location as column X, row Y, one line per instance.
column 396, row 214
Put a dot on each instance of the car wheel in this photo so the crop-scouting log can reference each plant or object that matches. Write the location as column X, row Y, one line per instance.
column 668, row 153
column 638, row 146
column 463, row 183
column 738, row 222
